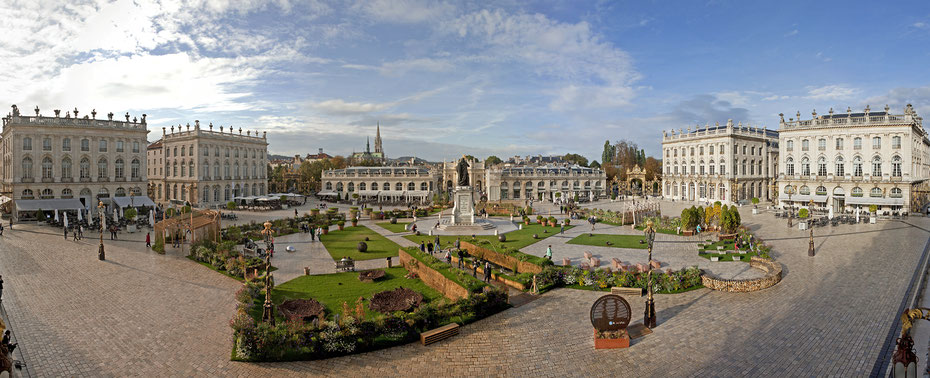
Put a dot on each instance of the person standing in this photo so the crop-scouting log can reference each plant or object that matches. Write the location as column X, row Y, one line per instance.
column 148, row 240
column 562, row 230
column 312, row 234
column 458, row 243
column 295, row 213
column 1, row 288
column 461, row 259
column 429, row 247
column 422, row 246
column 487, row 271
column 474, row 268
column 1, row 229
column 448, row 259
column 436, row 247
column 80, row 232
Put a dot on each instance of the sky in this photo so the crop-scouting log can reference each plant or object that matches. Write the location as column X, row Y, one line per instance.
column 444, row 79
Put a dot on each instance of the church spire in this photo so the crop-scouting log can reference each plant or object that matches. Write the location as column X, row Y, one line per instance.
column 368, row 145
column 378, row 148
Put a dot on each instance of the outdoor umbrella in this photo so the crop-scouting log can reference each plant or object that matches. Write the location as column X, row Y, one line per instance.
column 115, row 214
column 80, row 215
column 56, row 215
column 152, row 217
column 857, row 215
column 66, row 221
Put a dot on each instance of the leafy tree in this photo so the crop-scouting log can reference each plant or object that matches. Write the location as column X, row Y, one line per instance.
column 231, row 205
column 653, row 168
column 470, row 158
column 577, row 159
column 609, row 151
column 492, row 160
column 689, row 218
column 595, row 164
column 803, row 213
column 130, row 214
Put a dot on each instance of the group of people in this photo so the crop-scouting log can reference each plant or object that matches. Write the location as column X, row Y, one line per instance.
column 77, row 232
column 7, row 335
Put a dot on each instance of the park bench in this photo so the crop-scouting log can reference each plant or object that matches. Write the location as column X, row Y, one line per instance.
column 726, row 237
column 628, row 291
column 439, row 334
column 345, row 266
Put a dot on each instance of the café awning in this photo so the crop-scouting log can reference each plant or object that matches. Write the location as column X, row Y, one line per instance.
column 48, row 204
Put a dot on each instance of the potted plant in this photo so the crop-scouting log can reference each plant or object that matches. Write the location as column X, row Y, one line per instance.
column 314, row 212
column 568, row 221
column 368, row 211
column 231, row 205
column 755, row 205
column 341, row 225
column 526, row 220
column 40, row 216
column 539, row 218
column 873, row 209
column 283, row 200
column 611, row 339
column 130, row 215
column 552, row 221
column 803, row 214
column 325, row 227
column 354, row 221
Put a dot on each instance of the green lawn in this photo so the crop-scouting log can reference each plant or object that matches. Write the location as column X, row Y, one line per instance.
column 729, row 256
column 617, row 241
column 345, row 243
column 334, row 289
column 712, row 247
column 667, row 231
column 515, row 239
column 395, row 228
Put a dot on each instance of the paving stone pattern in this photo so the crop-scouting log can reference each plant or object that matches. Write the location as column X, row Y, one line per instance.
column 144, row 314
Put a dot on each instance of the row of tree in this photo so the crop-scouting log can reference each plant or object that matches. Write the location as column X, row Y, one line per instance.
column 723, row 216
column 623, row 155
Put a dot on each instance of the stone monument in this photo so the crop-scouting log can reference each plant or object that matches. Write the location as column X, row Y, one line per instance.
column 463, row 212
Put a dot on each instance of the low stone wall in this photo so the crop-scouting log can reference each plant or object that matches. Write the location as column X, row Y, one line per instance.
column 431, row 277
column 494, row 276
column 772, row 269
column 501, row 259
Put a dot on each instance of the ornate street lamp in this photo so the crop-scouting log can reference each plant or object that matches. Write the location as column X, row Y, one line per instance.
column 649, row 319
column 810, row 227
column 268, row 311
column 904, row 360
column 100, row 210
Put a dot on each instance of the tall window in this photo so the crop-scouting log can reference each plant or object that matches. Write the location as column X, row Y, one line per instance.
column 701, row 150
column 135, row 169
column 743, row 167
column 876, row 142
column 47, row 168
column 839, row 166
column 27, row 144
column 723, row 169
column 119, row 168
column 711, row 167
column 839, row 143
column 206, row 170
column 821, row 144
column 206, row 151
column 895, row 142
column 66, row 168
column 174, row 169
column 183, row 167
column 702, row 167
column 85, row 145
column 875, row 192
column 805, row 145
column 821, row 166
column 216, row 171
column 857, row 192
column 190, row 169
column 857, row 143
column 896, row 166
column 711, row 150
column 85, row 168
column 857, row 166
column 237, row 152
column 119, row 146
column 805, row 167
column 790, row 145
column 227, row 151
column 103, row 145
column 877, row 166
column 46, row 144
column 27, row 168
column 102, row 169
column 135, row 147
column 66, row 144
column 896, row 193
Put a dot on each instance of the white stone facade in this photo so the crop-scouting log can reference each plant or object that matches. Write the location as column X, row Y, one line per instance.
column 381, row 184
column 208, row 168
column 72, row 157
column 727, row 163
column 852, row 160
column 546, row 183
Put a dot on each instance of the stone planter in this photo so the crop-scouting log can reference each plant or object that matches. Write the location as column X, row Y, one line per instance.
column 354, row 223
column 314, row 212
column 341, row 227
column 325, row 230
column 714, row 258
column 802, row 225
column 623, row 342
column 755, row 211
column 131, row 228
column 284, row 206
column 737, row 258
column 872, row 220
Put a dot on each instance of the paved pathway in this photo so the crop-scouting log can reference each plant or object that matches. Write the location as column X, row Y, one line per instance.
column 144, row 314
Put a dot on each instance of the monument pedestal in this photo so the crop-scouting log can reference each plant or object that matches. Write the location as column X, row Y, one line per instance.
column 463, row 212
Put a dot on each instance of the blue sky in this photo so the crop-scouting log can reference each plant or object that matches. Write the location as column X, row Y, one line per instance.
column 447, row 78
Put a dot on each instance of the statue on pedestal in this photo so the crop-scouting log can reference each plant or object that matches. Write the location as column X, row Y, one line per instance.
column 462, row 169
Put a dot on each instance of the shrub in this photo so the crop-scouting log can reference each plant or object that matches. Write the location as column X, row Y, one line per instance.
column 231, row 205
column 130, row 214
column 186, row 209
column 40, row 215
column 803, row 213
column 159, row 246
column 873, row 209
column 755, row 200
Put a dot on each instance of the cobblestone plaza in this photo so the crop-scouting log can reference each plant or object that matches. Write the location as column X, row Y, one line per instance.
column 140, row 314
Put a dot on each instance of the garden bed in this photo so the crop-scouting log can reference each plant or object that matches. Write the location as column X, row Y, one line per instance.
column 451, row 282
column 396, row 228
column 515, row 239
column 345, row 243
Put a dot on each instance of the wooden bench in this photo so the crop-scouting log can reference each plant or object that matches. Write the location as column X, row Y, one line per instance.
column 345, row 266
column 630, row 291
column 439, row 334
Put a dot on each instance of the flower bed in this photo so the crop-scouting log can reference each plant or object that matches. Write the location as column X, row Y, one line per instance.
column 371, row 275
column 400, row 299
column 302, row 309
column 223, row 258
column 666, row 282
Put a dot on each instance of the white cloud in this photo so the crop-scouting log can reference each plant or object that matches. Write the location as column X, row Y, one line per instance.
column 792, row 33
column 898, row 98
column 420, row 64
column 831, row 92
column 404, row 11
column 921, row 25
column 341, row 107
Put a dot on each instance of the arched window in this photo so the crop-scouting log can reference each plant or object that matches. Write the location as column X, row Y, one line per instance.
column 857, row 166
column 805, row 167
column 840, row 171
column 27, row 168
column 399, row 187
column 411, row 186
column 877, row 166
column 237, row 169
column 120, row 192
column 46, row 194
column 362, row 186
column 119, row 168
column 66, row 168
column 174, row 166
column 47, row 168
column 339, row 187
column 351, row 186
column 329, row 185
column 85, row 168
column 27, row 194
column 206, row 170
column 805, row 190
column 102, row 169
column 216, row 172
column 67, row 193
column 424, row 186
column 386, row 187
column 789, row 189
column 226, row 171
column 216, row 193
column 135, row 191
column 103, row 193
column 896, row 193
column 896, row 166
column 821, row 166
column 875, row 192
column 821, row 191
column 206, row 195
column 183, row 169
column 857, row 192
column 190, row 169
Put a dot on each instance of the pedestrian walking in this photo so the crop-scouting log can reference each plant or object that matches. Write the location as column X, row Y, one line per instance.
column 461, row 259
column 295, row 213
column 562, row 230
column 74, row 235
column 80, row 232
column 549, row 252
column 474, row 268
column 312, row 234
column 429, row 248
column 487, row 271
column 422, row 246
column 436, row 248
column 448, row 261
column 1, row 288
column 148, row 240
column 66, row 232
column 1, row 229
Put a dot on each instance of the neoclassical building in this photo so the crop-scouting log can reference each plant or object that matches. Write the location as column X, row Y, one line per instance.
column 381, row 184
column 71, row 158
column 852, row 160
column 207, row 168
column 546, row 183
column 721, row 163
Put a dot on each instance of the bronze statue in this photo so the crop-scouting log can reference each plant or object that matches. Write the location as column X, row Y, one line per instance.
column 462, row 169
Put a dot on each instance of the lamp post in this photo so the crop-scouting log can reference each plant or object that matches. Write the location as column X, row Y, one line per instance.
column 810, row 248
column 649, row 318
column 100, row 210
column 904, row 360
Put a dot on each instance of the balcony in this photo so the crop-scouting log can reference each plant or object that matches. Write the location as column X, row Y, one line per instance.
column 137, row 179
column 85, row 179
column 48, row 179
column 120, row 179
column 28, row 179
column 103, row 179
column 67, row 179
